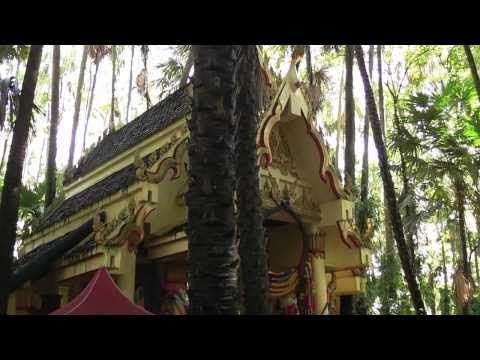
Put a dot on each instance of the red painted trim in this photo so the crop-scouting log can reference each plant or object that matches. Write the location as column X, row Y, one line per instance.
column 349, row 237
column 342, row 235
column 324, row 173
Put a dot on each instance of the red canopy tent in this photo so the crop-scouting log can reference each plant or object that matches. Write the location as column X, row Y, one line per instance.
column 101, row 297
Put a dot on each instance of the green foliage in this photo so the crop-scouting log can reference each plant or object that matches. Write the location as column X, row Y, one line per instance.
column 172, row 70
column 476, row 303
column 10, row 52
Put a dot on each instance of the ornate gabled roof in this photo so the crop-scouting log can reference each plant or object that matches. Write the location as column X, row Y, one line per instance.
column 157, row 118
column 104, row 188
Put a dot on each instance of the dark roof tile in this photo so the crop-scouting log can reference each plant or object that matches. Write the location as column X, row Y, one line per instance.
column 157, row 118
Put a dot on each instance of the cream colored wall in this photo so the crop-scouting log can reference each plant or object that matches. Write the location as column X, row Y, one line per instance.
column 338, row 255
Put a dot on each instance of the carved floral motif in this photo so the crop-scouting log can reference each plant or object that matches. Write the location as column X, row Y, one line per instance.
column 156, row 167
column 127, row 226
column 299, row 195
column 282, row 158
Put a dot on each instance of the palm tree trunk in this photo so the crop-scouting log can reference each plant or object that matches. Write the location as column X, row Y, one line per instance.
column 252, row 248
column 409, row 208
column 473, row 68
column 52, row 139
column 389, row 189
column 308, row 57
column 130, row 84
column 446, row 290
column 145, row 61
column 13, row 176
column 40, row 162
column 477, row 222
column 364, row 179
column 390, row 270
column 213, row 257
column 186, row 69
column 4, row 152
column 349, row 119
column 339, row 123
column 78, row 101
column 90, row 102
column 460, row 202
column 477, row 272
column 380, row 89
column 347, row 301
column 111, row 124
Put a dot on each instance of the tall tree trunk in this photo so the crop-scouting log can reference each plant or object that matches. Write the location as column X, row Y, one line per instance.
column 460, row 203
column 364, row 178
column 477, row 272
column 349, row 119
column 186, row 69
column 390, row 256
column 446, row 290
column 145, row 51
column 473, row 68
column 431, row 284
column 5, row 147
column 130, row 84
column 389, row 189
column 78, row 101
column 90, row 102
column 52, row 139
column 410, row 208
column 347, row 301
column 339, row 124
column 477, row 243
column 40, row 163
column 89, row 88
column 460, row 200
column 308, row 57
column 212, row 252
column 13, row 181
column 359, row 301
column 253, row 256
column 111, row 124
column 380, row 90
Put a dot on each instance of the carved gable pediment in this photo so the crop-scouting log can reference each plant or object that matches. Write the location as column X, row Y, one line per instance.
column 282, row 158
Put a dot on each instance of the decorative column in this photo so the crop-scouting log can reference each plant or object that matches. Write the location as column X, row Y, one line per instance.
column 126, row 280
column 317, row 251
column 64, row 292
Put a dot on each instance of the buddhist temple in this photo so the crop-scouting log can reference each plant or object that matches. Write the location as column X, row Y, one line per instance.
column 118, row 231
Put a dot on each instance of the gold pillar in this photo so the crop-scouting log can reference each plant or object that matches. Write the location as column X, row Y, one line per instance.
column 12, row 304
column 317, row 250
column 320, row 284
column 64, row 292
column 126, row 279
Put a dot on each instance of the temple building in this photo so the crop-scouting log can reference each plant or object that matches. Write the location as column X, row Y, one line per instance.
column 123, row 210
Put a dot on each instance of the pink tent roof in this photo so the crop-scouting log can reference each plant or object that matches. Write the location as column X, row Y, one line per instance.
column 101, row 297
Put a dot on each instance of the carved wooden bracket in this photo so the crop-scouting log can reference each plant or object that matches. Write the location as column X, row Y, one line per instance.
column 348, row 234
column 156, row 169
column 127, row 227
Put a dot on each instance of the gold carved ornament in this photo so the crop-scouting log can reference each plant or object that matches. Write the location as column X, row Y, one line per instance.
column 292, row 191
column 126, row 227
column 155, row 168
